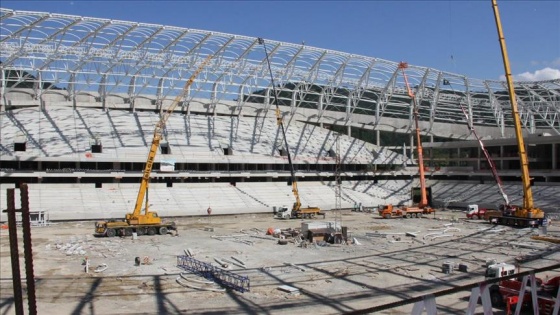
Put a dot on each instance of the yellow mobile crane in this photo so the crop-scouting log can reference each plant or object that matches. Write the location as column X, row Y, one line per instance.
column 297, row 210
column 527, row 214
column 148, row 222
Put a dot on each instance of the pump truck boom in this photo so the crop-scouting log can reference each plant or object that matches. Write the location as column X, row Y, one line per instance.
column 297, row 210
column 526, row 214
column 489, row 160
column 148, row 222
column 423, row 207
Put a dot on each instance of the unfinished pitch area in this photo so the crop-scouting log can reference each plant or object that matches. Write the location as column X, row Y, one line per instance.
column 385, row 261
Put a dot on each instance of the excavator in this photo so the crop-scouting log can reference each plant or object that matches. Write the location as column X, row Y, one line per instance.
column 147, row 222
column 527, row 214
column 422, row 207
column 297, row 210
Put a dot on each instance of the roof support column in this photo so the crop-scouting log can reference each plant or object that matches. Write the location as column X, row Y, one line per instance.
column 72, row 89
column 214, row 98
column 321, row 108
column 3, row 83
column 131, row 92
column 38, row 90
column 103, row 91
column 159, row 95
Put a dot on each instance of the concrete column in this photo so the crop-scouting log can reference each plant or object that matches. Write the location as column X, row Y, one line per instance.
column 478, row 150
column 501, row 157
column 554, row 146
column 411, row 146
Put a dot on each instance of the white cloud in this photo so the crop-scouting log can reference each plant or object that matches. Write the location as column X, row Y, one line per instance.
column 539, row 75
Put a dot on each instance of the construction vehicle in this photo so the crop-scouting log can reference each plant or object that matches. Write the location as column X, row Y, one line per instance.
column 505, row 207
column 147, row 222
column 283, row 213
column 422, row 207
column 527, row 214
column 297, row 210
column 497, row 270
column 475, row 213
column 506, row 293
column 489, row 160
column 388, row 212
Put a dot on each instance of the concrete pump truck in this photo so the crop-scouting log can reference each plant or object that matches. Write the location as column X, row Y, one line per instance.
column 147, row 222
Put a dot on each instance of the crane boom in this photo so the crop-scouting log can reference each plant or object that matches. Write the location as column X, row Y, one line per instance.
column 280, row 122
column 488, row 158
column 142, row 192
column 423, row 206
column 423, row 196
column 297, row 210
column 528, row 209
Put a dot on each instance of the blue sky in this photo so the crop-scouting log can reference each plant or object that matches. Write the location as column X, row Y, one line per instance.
column 454, row 36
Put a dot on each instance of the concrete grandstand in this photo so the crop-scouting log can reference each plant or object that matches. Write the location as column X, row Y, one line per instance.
column 80, row 97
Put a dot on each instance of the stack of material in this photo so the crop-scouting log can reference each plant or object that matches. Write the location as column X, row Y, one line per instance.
column 320, row 227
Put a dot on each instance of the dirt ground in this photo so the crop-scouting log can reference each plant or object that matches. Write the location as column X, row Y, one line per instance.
column 384, row 265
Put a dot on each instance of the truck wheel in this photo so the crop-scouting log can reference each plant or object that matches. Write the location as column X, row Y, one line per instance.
column 111, row 232
column 163, row 230
column 387, row 216
column 408, row 215
column 128, row 232
column 474, row 217
column 140, row 231
column 151, row 231
column 419, row 215
column 496, row 298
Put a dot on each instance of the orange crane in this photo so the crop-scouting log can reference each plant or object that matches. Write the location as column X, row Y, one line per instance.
column 422, row 207
column 147, row 222
column 526, row 214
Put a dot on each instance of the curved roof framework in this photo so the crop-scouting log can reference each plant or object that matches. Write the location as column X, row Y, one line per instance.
column 104, row 56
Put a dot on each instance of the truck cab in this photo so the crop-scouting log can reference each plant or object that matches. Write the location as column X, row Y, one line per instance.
column 499, row 270
column 283, row 213
column 475, row 213
column 385, row 211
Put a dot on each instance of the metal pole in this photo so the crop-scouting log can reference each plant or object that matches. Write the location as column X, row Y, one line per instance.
column 14, row 253
column 28, row 250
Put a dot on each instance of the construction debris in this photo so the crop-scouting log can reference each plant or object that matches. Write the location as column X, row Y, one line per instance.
column 202, row 288
column 295, row 266
column 101, row 268
column 289, row 289
column 234, row 263
column 222, row 263
column 549, row 239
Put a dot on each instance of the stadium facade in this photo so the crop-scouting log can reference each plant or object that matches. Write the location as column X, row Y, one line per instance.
column 80, row 97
